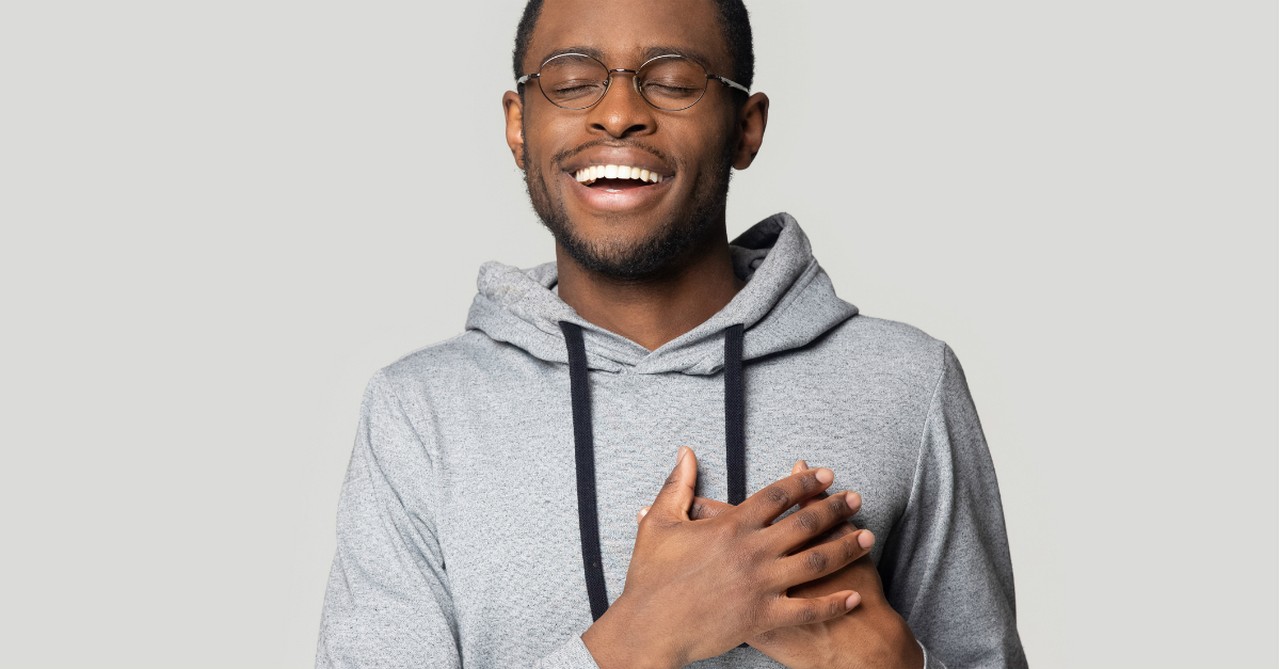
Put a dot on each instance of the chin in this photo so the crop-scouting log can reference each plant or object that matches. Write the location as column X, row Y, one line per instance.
column 618, row 255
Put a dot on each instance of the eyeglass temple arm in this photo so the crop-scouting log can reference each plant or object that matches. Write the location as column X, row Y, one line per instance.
column 730, row 83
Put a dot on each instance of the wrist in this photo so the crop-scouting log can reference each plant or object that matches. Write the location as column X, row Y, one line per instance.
column 899, row 647
column 626, row 639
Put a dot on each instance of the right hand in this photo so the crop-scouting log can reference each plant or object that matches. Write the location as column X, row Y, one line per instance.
column 698, row 588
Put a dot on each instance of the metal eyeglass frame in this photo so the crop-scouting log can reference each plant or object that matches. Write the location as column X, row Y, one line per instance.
column 635, row 80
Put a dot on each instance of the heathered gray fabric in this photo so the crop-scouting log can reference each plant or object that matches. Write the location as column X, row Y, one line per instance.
column 458, row 539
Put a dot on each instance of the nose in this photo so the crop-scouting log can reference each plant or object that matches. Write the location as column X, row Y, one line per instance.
column 621, row 112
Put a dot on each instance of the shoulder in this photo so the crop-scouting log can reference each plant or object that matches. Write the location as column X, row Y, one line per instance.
column 444, row 362
column 891, row 346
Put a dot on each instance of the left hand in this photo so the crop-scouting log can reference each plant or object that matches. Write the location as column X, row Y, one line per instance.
column 871, row 636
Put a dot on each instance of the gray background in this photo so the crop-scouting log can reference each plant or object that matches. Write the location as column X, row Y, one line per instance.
column 219, row 218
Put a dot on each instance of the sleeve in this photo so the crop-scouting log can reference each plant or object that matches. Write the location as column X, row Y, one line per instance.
column 388, row 603
column 946, row 567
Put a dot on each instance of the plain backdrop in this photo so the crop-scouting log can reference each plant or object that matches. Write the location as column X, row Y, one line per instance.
column 220, row 218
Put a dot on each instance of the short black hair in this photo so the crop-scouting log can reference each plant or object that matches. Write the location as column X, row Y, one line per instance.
column 734, row 23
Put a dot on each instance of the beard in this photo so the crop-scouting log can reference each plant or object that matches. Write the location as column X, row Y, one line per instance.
column 628, row 260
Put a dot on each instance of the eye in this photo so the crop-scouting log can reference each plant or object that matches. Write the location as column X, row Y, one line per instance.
column 574, row 88
column 671, row 88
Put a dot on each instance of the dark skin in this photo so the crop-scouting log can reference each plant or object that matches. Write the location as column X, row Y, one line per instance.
column 697, row 586
column 699, row 282
column 885, row 639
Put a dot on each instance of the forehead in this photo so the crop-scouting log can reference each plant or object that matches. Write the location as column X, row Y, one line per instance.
column 626, row 33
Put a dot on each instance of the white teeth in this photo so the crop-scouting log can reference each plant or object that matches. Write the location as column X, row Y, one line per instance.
column 588, row 175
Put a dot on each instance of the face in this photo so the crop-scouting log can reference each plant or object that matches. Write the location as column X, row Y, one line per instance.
column 625, row 227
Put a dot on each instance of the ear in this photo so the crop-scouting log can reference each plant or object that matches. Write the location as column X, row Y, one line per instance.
column 752, row 119
column 513, row 109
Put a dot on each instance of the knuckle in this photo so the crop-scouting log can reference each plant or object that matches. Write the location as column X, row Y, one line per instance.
column 851, row 549
column 808, row 522
column 725, row 533
column 777, row 495
column 816, row 561
column 839, row 506
column 807, row 614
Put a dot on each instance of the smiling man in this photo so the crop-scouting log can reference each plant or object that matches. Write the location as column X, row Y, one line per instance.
column 611, row 466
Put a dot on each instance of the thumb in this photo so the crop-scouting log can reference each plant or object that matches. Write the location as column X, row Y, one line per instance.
column 677, row 491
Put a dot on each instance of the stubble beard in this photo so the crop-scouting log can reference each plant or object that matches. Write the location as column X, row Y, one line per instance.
column 653, row 256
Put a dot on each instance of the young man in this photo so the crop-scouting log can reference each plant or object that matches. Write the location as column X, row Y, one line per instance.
column 489, row 516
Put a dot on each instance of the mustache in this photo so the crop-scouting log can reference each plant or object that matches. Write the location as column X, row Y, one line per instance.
column 568, row 154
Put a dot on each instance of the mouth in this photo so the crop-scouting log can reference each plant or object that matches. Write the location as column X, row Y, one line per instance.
column 613, row 178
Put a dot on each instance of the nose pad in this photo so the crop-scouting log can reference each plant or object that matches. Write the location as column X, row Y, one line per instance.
column 629, row 114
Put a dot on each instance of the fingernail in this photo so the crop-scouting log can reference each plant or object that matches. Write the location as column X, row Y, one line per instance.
column 803, row 464
column 680, row 455
column 854, row 500
column 852, row 601
column 644, row 512
column 866, row 539
column 825, row 475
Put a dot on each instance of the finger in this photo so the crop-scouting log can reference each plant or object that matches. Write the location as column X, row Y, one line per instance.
column 808, row 610
column 761, row 508
column 676, row 495
column 800, row 466
column 826, row 558
column 812, row 520
column 704, row 509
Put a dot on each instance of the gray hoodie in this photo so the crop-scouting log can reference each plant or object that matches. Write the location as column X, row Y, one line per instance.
column 459, row 536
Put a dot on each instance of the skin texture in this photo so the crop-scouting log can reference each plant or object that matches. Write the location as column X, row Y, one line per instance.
column 698, row 588
column 650, row 269
column 651, row 272
column 884, row 640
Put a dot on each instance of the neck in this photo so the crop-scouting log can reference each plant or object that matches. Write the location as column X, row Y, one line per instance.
column 653, row 311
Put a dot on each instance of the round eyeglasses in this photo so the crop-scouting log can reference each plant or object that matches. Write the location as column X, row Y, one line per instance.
column 671, row 82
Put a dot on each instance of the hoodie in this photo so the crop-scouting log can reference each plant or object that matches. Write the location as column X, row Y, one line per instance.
column 469, row 534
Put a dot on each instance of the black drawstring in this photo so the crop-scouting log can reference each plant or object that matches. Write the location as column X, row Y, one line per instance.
column 735, row 413
column 584, row 455
column 584, row 448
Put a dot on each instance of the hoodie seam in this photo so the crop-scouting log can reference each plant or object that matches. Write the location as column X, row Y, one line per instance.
column 389, row 391
column 912, row 496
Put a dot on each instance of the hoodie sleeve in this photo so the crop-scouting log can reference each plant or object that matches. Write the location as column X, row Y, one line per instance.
column 946, row 568
column 388, row 603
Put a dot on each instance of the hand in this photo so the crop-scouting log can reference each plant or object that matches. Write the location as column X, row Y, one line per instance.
column 697, row 588
column 872, row 636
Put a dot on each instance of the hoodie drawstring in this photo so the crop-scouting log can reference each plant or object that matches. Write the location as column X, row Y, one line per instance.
column 584, row 448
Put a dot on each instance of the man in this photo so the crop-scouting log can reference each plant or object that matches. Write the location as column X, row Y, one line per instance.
column 489, row 516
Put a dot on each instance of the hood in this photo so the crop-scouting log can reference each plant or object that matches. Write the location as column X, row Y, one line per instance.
column 788, row 301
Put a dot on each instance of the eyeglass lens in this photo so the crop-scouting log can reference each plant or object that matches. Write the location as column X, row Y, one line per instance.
column 671, row 83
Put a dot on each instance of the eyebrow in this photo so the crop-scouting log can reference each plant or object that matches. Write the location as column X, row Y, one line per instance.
column 647, row 54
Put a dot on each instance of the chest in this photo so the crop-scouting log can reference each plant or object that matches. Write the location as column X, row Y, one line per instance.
column 507, row 513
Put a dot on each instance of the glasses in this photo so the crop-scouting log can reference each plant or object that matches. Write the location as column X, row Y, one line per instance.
column 670, row 83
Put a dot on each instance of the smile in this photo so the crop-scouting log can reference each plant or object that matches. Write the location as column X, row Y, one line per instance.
column 620, row 175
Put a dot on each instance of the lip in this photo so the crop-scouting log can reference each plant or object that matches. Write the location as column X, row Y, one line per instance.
column 619, row 156
column 620, row 200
